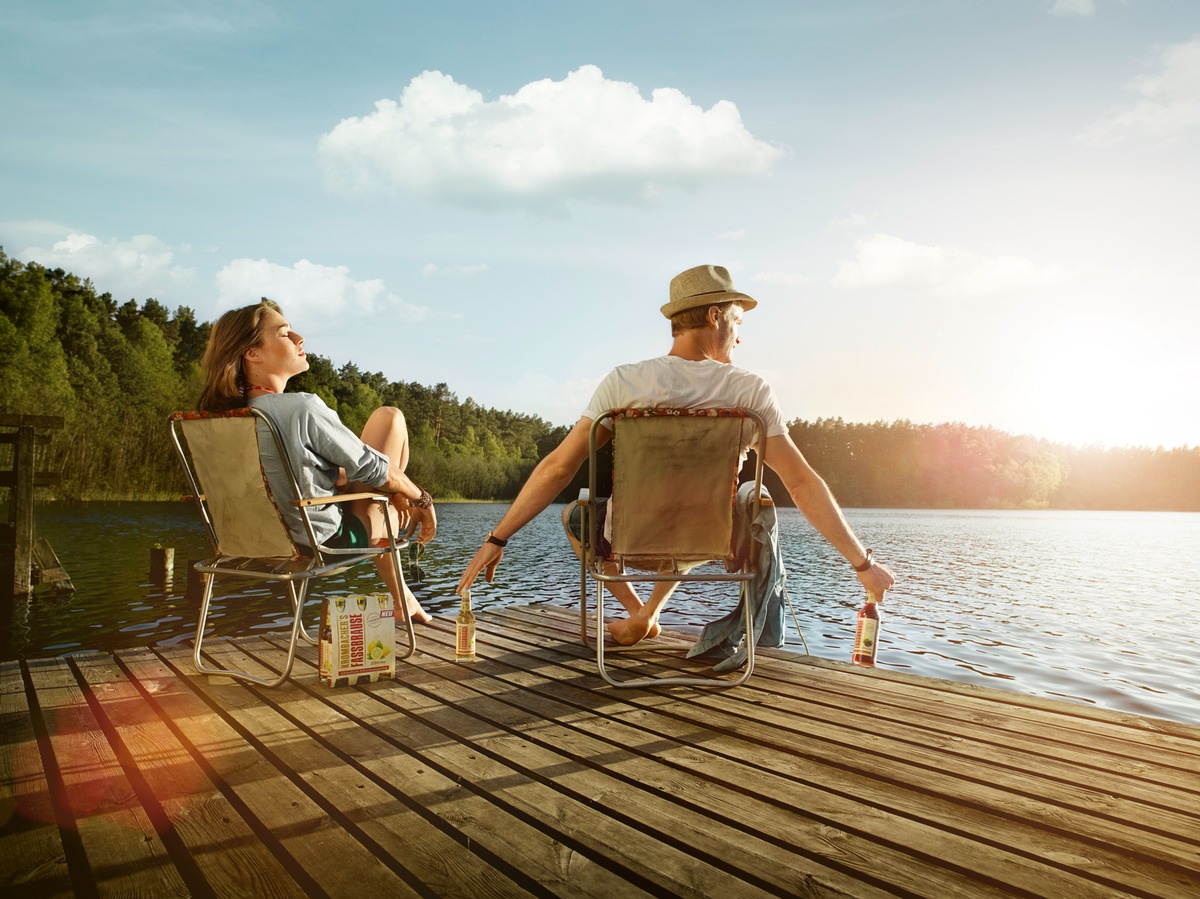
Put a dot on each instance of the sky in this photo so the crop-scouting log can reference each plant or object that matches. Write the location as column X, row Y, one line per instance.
column 976, row 211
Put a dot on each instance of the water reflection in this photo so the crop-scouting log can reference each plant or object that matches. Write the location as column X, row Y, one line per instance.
column 1080, row 605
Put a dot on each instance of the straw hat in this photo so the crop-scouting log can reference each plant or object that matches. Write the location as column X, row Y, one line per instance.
column 704, row 285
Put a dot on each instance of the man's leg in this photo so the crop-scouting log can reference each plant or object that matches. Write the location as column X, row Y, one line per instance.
column 622, row 590
column 644, row 622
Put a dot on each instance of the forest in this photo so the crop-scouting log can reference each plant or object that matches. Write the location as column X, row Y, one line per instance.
column 114, row 371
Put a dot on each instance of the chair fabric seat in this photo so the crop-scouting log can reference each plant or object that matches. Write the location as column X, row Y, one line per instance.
column 675, row 482
column 220, row 456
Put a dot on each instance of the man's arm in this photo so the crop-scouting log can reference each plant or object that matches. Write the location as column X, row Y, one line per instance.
column 546, row 482
column 813, row 497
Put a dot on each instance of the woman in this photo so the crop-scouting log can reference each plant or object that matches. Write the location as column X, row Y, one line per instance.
column 251, row 354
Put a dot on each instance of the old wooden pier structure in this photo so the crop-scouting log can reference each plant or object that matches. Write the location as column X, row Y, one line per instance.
column 25, row 560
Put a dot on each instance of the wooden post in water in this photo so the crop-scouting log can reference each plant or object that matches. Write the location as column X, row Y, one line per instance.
column 162, row 564
column 16, row 540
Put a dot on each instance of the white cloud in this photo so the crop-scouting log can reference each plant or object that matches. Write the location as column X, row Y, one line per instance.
column 781, row 279
column 1073, row 8
column 550, row 142
column 454, row 271
column 1170, row 104
column 121, row 267
column 882, row 260
column 315, row 291
column 739, row 234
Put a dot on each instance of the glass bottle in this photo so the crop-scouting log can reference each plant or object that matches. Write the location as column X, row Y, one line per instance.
column 866, row 635
column 464, row 631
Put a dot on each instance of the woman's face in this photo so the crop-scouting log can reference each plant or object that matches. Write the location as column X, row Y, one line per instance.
column 281, row 351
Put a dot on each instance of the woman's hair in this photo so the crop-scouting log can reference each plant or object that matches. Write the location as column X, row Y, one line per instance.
column 690, row 319
column 234, row 333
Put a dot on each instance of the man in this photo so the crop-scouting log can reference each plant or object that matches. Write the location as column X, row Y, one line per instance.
column 705, row 313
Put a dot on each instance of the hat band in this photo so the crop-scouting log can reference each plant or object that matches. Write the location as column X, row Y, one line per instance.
column 706, row 293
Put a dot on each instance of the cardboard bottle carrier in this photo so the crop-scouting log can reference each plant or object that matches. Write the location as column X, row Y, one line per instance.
column 358, row 639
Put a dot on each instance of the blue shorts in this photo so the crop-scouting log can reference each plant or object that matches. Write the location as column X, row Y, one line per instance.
column 575, row 520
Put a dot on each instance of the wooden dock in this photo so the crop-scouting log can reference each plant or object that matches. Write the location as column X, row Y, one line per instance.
column 524, row 776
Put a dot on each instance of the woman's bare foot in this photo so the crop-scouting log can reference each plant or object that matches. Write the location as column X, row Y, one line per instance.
column 629, row 631
column 419, row 616
column 415, row 612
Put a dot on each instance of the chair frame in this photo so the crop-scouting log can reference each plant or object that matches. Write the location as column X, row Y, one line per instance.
column 593, row 566
column 298, row 570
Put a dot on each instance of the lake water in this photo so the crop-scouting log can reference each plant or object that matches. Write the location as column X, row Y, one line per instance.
column 1087, row 606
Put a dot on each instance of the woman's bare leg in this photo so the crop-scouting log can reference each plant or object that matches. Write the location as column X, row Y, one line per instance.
column 387, row 432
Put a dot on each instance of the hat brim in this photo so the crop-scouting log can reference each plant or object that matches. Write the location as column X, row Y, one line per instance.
column 708, row 299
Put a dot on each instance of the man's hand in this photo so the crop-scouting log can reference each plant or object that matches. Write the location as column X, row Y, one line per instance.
column 878, row 579
column 486, row 558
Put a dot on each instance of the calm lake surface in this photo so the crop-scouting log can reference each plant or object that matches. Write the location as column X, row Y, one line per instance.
column 1087, row 606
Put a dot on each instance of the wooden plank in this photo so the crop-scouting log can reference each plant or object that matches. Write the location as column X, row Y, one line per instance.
column 524, row 775
column 8, row 438
column 955, row 793
column 19, row 420
column 1091, row 755
column 21, row 512
column 33, row 856
column 311, row 843
column 1104, row 891
column 125, row 853
column 724, row 819
column 1003, row 710
column 42, row 479
column 211, row 844
column 373, row 810
column 407, row 751
column 50, row 572
column 757, row 865
column 1103, row 754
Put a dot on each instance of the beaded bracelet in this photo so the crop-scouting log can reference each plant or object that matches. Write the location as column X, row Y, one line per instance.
column 424, row 501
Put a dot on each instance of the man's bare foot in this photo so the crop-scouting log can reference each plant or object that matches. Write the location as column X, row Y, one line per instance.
column 629, row 631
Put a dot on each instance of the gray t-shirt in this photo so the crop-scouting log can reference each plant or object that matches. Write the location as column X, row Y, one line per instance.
column 318, row 444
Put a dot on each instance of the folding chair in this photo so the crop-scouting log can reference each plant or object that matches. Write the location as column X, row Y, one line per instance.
column 219, row 452
column 675, row 475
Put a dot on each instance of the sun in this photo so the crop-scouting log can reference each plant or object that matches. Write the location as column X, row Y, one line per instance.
column 1095, row 380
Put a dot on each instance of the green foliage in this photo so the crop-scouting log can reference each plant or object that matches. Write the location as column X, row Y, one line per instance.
column 115, row 372
column 952, row 466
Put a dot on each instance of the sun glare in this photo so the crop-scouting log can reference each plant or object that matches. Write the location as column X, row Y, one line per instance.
column 1094, row 380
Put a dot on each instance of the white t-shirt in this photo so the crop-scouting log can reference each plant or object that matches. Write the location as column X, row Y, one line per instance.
column 671, row 381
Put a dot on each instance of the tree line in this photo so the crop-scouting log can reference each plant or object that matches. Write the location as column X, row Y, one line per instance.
column 115, row 371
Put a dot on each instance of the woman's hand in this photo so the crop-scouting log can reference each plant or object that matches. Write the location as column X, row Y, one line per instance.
column 399, row 502
column 425, row 519
column 413, row 517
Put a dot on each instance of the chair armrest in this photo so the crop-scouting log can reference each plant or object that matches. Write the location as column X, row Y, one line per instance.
column 585, row 497
column 340, row 498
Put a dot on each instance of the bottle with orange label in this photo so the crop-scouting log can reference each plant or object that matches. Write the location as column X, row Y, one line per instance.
column 464, row 631
column 866, row 635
